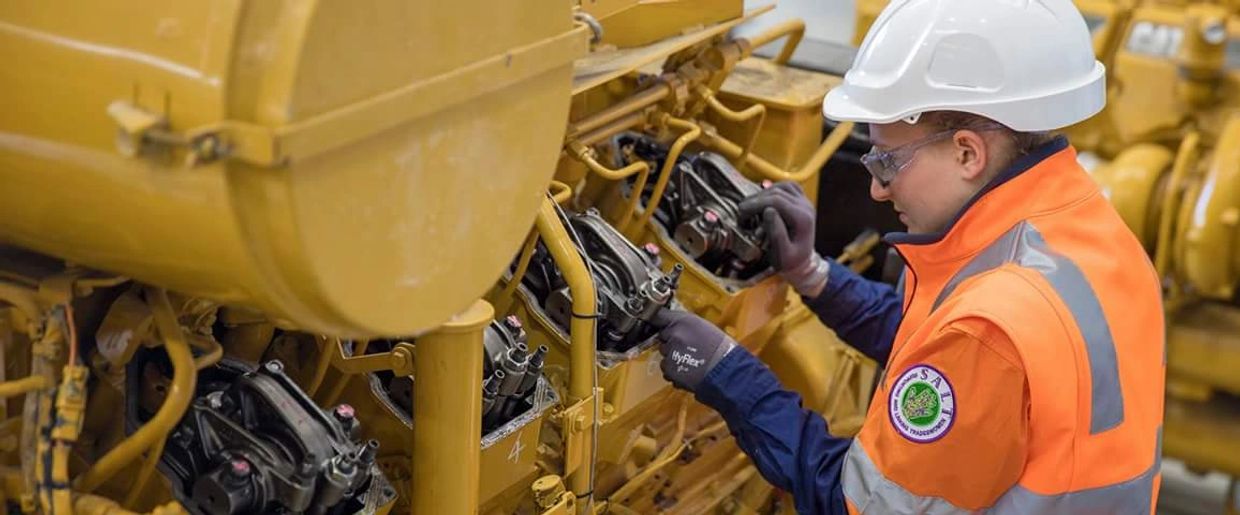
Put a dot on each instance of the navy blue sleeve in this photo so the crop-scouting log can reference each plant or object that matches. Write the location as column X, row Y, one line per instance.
column 863, row 313
column 789, row 445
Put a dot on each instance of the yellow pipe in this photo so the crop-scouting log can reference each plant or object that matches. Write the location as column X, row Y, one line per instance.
column 794, row 29
column 86, row 504
column 144, row 473
column 757, row 111
column 214, row 352
column 581, row 287
column 327, row 347
column 586, row 155
column 504, row 300
column 769, row 171
column 20, row 297
column 691, row 134
column 359, row 349
column 447, row 414
column 24, row 385
column 632, row 121
column 560, row 192
column 180, row 392
column 640, row 100
column 581, row 330
column 1184, row 159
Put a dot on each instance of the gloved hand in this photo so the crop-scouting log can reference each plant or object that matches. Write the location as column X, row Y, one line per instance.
column 789, row 220
column 690, row 345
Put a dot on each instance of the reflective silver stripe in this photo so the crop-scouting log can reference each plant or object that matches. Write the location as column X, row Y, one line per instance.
column 871, row 492
column 1132, row 496
column 1024, row 246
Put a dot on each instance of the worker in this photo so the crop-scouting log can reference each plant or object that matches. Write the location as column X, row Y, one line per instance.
column 1023, row 348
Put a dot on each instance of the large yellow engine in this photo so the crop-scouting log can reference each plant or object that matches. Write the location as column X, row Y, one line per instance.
column 337, row 257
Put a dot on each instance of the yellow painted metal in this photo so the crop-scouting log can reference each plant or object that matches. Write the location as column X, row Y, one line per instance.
column 1201, row 55
column 649, row 21
column 582, row 387
column 638, row 167
column 550, row 496
column 1204, row 345
column 1131, row 182
column 690, row 132
column 604, row 66
column 447, row 414
column 274, row 157
column 832, row 378
column 286, row 148
column 177, row 400
column 1202, row 434
column 793, row 29
column 1173, row 203
column 747, row 310
column 866, row 12
column 1211, row 262
column 792, row 131
column 23, row 386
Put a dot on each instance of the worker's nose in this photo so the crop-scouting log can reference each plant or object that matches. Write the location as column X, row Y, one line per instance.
column 878, row 192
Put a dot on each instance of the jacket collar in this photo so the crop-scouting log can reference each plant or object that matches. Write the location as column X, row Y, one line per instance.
column 1034, row 183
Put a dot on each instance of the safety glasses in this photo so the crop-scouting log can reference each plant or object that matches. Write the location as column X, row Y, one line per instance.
column 884, row 165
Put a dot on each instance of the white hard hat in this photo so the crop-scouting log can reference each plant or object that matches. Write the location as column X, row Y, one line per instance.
column 1028, row 64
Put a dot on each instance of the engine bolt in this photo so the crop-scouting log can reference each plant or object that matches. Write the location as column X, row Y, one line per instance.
column 344, row 412
column 239, row 468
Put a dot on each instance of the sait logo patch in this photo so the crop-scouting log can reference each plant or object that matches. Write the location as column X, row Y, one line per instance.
column 922, row 404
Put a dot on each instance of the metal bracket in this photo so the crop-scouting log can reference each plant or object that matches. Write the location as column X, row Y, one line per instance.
column 141, row 130
column 399, row 360
column 576, row 420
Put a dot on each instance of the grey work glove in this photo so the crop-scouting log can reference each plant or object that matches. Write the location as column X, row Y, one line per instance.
column 789, row 221
column 690, row 345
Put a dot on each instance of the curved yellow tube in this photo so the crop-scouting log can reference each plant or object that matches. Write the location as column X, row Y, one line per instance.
column 1184, row 159
column 1210, row 259
column 582, row 350
column 794, row 29
column 24, row 385
column 756, row 111
column 769, row 171
column 180, row 392
column 691, row 134
column 21, row 297
column 585, row 155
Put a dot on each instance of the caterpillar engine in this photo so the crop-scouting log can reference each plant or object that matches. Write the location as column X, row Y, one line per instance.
column 253, row 442
column 701, row 208
column 630, row 285
column 326, row 257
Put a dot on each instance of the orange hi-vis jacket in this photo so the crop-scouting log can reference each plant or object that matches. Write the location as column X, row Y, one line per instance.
column 1027, row 374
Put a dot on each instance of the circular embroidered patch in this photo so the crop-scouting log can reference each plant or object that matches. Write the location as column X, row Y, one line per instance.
column 922, row 404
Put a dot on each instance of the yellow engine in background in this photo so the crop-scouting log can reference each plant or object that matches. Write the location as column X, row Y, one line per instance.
column 354, row 257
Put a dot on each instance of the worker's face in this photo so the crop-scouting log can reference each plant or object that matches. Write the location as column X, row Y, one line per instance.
column 936, row 179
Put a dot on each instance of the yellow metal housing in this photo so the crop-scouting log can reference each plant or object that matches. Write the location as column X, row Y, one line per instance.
column 316, row 160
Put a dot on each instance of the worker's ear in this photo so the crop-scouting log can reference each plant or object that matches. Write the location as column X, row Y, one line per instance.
column 970, row 153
